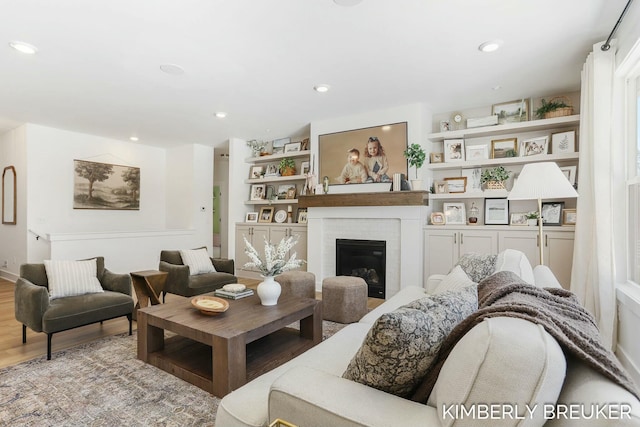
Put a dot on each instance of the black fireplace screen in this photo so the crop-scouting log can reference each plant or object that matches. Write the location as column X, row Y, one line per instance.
column 363, row 258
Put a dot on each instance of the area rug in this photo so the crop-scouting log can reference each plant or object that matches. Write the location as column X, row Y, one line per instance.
column 102, row 383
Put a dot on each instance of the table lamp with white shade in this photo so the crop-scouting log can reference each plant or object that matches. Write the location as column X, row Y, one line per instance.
column 539, row 181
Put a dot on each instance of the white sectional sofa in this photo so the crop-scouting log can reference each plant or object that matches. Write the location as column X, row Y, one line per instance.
column 511, row 366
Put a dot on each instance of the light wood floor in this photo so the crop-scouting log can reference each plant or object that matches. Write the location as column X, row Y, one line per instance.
column 12, row 350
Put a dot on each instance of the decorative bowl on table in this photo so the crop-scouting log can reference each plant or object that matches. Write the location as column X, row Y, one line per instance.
column 210, row 306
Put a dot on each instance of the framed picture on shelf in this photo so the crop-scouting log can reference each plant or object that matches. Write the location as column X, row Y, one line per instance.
column 570, row 173
column 437, row 218
column 278, row 145
column 304, row 144
column 453, row 150
column 302, row 216
column 251, row 217
column 283, row 190
column 512, row 111
column 445, row 125
column 304, row 167
column 473, row 176
column 552, row 213
column 457, row 184
column 257, row 191
column 496, row 211
column 519, row 218
column 477, row 152
column 291, row 193
column 502, row 148
column 569, row 217
column 292, row 147
column 455, row 213
column 266, row 214
column 534, row 146
column 436, row 157
column 271, row 170
column 256, row 172
column 563, row 142
column 440, row 187
column 271, row 192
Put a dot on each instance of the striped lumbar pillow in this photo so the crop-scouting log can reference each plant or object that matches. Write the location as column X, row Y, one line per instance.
column 69, row 278
column 198, row 261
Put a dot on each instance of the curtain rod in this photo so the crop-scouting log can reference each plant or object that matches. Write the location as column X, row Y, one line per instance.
column 606, row 46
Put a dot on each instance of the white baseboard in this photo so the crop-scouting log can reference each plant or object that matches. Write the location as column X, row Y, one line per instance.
column 8, row 275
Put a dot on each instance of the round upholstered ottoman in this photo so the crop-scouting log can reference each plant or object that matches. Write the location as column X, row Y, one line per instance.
column 344, row 299
column 298, row 283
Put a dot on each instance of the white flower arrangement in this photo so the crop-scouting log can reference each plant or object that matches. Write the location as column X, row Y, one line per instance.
column 274, row 261
column 256, row 146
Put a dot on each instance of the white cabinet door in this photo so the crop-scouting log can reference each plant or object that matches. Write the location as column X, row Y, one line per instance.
column 441, row 251
column 525, row 241
column 558, row 255
column 477, row 241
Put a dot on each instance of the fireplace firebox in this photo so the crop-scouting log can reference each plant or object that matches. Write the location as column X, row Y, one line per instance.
column 366, row 259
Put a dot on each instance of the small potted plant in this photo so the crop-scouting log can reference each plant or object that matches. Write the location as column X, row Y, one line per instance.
column 495, row 178
column 256, row 146
column 287, row 167
column 556, row 107
column 532, row 218
column 416, row 156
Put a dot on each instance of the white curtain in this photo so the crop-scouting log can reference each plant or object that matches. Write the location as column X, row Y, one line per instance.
column 599, row 170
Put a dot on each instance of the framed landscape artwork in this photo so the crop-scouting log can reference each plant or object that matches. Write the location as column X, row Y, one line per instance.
column 105, row 186
column 379, row 153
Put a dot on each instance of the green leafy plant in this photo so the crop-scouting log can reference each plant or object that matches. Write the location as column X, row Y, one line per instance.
column 532, row 215
column 549, row 106
column 287, row 166
column 498, row 173
column 287, row 163
column 416, row 156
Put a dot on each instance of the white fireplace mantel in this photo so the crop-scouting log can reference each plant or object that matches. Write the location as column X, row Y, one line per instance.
column 400, row 226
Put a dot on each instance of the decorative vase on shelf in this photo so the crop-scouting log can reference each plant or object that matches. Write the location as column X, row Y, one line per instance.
column 416, row 184
column 269, row 291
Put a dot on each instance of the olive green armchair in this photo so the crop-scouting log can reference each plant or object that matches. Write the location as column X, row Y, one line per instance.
column 35, row 309
column 181, row 282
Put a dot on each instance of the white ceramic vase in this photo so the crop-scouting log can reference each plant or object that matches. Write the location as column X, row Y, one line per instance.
column 269, row 291
column 416, row 184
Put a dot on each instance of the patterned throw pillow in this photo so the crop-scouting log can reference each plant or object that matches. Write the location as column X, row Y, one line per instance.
column 70, row 278
column 401, row 345
column 477, row 266
column 198, row 261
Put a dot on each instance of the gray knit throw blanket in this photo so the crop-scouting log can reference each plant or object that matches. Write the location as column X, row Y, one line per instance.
column 504, row 294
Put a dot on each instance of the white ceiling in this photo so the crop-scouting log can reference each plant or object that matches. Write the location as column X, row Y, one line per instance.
column 97, row 68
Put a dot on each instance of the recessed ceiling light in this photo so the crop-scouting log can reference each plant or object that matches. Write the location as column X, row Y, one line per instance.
column 172, row 69
column 490, row 46
column 221, row 114
column 23, row 47
column 134, row 138
column 321, row 88
column 347, row 3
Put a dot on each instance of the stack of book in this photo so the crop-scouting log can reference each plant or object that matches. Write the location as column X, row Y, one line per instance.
column 247, row 292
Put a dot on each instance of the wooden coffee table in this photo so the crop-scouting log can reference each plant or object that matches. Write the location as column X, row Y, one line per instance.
column 221, row 353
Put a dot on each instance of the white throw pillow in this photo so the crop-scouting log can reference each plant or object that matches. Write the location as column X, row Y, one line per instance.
column 516, row 262
column 69, row 278
column 505, row 361
column 198, row 261
column 457, row 279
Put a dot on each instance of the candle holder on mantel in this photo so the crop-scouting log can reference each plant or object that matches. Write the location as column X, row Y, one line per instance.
column 473, row 214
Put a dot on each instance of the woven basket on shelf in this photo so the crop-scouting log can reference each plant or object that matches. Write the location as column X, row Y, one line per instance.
column 560, row 112
column 496, row 185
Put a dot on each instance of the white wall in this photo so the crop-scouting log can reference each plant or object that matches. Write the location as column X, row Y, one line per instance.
column 175, row 200
column 13, row 245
